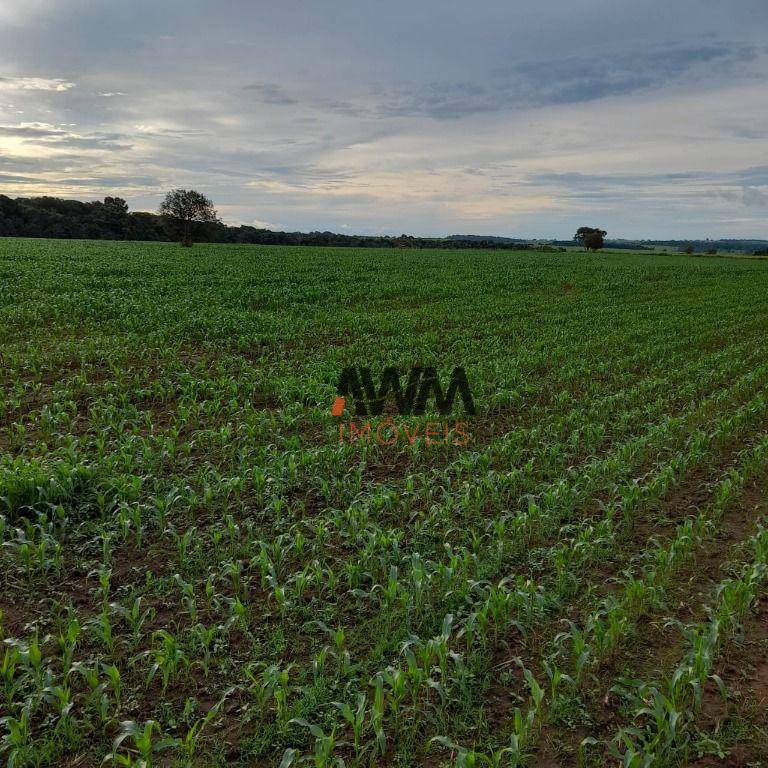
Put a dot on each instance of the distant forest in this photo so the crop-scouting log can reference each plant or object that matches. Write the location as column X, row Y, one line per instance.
column 110, row 219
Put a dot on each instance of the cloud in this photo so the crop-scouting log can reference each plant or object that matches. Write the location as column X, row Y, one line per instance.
column 19, row 12
column 31, row 130
column 755, row 198
column 272, row 93
column 35, row 84
column 340, row 107
column 586, row 180
column 10, row 178
column 43, row 134
column 569, row 80
column 113, row 182
column 755, row 176
column 269, row 93
column 47, row 164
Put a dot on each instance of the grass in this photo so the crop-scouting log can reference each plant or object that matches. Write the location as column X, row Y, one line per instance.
column 196, row 571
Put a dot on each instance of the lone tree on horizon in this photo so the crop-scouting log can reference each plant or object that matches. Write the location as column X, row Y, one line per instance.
column 591, row 238
column 186, row 211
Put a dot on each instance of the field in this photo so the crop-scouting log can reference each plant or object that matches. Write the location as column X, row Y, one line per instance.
column 196, row 570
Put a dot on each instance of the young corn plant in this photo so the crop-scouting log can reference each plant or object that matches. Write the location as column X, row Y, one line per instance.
column 356, row 720
column 144, row 740
column 325, row 745
column 168, row 657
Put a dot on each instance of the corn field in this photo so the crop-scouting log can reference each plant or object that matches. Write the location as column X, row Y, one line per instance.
column 197, row 571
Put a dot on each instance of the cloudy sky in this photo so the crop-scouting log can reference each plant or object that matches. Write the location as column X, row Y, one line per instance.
column 509, row 117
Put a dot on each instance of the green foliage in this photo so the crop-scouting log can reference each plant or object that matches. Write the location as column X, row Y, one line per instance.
column 198, row 572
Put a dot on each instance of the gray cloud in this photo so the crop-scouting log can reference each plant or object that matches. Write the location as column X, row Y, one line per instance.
column 755, row 198
column 111, row 181
column 44, row 135
column 10, row 178
column 89, row 182
column 582, row 180
column 569, row 80
column 270, row 93
column 755, row 176
column 30, row 131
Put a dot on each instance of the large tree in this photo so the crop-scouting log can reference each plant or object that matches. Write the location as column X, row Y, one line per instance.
column 591, row 238
column 187, row 211
column 113, row 217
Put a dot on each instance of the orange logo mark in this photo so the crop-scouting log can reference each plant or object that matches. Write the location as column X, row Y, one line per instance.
column 337, row 409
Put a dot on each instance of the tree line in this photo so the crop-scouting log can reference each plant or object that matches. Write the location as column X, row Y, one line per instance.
column 187, row 215
column 110, row 219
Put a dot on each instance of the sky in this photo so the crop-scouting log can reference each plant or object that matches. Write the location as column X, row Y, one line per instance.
column 648, row 118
